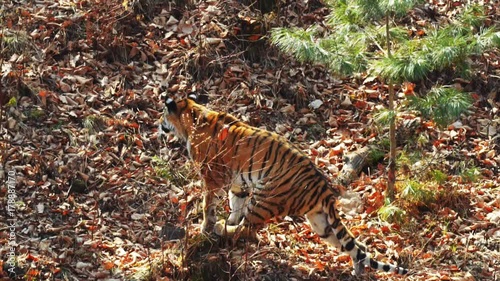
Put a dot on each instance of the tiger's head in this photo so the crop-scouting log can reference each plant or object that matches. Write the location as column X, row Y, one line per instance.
column 179, row 116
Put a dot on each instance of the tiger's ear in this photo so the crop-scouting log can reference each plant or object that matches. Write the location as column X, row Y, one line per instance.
column 200, row 99
column 171, row 105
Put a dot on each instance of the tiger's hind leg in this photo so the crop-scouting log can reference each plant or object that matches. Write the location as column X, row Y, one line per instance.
column 238, row 196
column 238, row 205
column 253, row 219
column 320, row 225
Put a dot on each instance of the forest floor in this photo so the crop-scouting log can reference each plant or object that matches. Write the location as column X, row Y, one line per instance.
column 90, row 192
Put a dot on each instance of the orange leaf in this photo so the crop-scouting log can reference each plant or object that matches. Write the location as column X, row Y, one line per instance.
column 385, row 229
column 183, row 206
column 33, row 272
column 344, row 258
column 138, row 142
column 409, row 88
column 488, row 162
column 133, row 52
column 91, row 227
column 134, row 125
column 427, row 256
column 254, row 37
column 30, row 257
column 153, row 45
column 43, row 93
column 335, row 151
column 108, row 265
column 174, row 199
column 66, row 23
column 487, row 208
column 370, row 209
column 320, row 265
column 25, row 13
column 360, row 104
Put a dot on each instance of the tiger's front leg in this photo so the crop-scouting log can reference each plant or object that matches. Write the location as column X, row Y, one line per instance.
column 209, row 217
column 209, row 206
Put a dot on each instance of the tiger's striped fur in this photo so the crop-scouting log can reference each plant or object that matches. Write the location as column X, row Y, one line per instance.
column 266, row 176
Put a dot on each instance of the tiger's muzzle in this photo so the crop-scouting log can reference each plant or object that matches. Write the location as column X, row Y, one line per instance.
column 165, row 127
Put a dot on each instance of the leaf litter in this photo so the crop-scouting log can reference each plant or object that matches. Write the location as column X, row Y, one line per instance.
column 94, row 201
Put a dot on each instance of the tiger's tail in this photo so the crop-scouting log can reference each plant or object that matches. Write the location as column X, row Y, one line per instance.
column 356, row 250
column 330, row 227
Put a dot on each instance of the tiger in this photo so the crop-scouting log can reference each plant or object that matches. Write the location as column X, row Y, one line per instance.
column 266, row 177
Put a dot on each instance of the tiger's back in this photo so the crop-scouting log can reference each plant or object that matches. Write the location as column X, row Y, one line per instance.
column 280, row 177
column 266, row 177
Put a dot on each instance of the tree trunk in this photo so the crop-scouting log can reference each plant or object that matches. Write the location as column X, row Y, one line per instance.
column 391, row 173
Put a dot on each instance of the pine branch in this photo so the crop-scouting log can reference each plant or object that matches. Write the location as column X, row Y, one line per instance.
column 473, row 16
column 344, row 13
column 298, row 42
column 342, row 52
column 486, row 39
column 442, row 104
column 412, row 67
column 397, row 7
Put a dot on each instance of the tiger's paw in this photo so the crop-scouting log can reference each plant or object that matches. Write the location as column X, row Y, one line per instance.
column 223, row 229
column 220, row 228
column 207, row 228
column 234, row 219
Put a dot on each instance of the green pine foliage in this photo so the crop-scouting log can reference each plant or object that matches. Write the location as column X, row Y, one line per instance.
column 355, row 42
column 438, row 176
column 384, row 117
column 391, row 212
column 442, row 104
column 488, row 38
column 353, row 38
column 400, row 68
column 362, row 37
column 473, row 16
column 414, row 191
column 444, row 48
column 12, row 102
column 343, row 54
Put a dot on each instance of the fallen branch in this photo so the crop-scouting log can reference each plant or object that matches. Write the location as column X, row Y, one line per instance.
column 353, row 164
